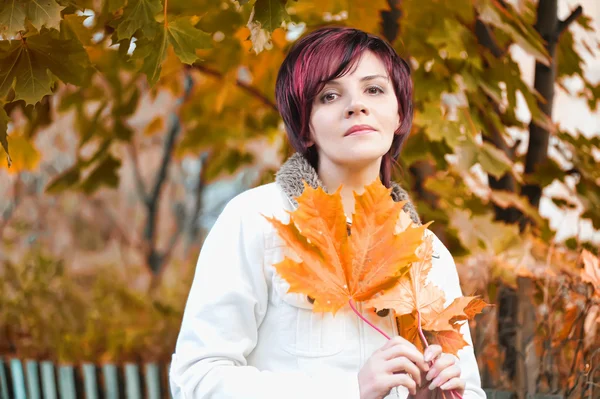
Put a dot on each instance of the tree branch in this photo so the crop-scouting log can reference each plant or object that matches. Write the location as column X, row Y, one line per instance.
column 139, row 182
column 167, row 154
column 180, row 216
column 192, row 227
column 250, row 89
column 155, row 259
column 562, row 25
column 579, row 347
column 390, row 20
column 486, row 38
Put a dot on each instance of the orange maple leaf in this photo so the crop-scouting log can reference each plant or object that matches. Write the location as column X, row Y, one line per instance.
column 414, row 296
column 339, row 265
column 451, row 341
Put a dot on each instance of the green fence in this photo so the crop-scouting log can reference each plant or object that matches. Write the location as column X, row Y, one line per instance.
column 46, row 380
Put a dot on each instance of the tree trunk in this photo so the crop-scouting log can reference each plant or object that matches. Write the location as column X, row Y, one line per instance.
column 528, row 363
column 515, row 313
column 537, row 150
column 549, row 27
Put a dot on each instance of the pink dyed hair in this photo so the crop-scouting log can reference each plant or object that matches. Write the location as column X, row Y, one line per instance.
column 326, row 54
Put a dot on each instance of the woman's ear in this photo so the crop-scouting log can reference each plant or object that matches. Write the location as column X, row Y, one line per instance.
column 309, row 141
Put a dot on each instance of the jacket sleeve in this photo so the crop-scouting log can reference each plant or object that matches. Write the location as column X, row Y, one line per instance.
column 448, row 279
column 225, row 307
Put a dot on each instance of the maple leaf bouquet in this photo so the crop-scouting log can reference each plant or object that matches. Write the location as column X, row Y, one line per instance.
column 381, row 259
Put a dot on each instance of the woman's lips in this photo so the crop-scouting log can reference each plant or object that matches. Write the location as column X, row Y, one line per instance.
column 359, row 130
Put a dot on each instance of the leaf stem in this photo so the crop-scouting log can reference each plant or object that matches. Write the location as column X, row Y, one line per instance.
column 166, row 3
column 453, row 393
column 367, row 321
column 423, row 339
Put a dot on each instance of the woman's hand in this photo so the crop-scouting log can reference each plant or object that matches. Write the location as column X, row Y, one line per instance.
column 397, row 363
column 444, row 373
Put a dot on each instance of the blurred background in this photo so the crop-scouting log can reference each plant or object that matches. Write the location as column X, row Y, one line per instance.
column 127, row 125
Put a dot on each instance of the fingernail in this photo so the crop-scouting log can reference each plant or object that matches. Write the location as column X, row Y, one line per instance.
column 428, row 357
column 433, row 385
column 429, row 375
column 445, row 386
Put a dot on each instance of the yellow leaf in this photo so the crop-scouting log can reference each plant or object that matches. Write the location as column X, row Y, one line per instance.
column 24, row 156
column 243, row 34
column 278, row 37
column 157, row 125
column 172, row 74
column 222, row 97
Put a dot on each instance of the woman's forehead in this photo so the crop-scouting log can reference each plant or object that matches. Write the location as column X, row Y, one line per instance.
column 366, row 67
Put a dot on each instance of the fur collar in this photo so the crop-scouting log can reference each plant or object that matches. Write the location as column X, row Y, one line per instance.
column 297, row 168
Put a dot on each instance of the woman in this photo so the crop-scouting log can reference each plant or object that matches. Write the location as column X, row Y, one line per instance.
column 345, row 98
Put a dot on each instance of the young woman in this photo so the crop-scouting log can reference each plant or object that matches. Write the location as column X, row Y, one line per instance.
column 345, row 98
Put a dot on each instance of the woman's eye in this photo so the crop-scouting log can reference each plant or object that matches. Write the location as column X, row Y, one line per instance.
column 328, row 97
column 374, row 90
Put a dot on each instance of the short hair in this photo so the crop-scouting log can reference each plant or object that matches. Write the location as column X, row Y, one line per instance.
column 326, row 54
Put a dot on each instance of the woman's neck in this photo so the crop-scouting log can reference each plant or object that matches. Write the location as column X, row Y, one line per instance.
column 351, row 179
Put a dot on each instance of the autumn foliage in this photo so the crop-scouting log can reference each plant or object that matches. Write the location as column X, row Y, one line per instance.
column 121, row 117
column 337, row 266
column 383, row 260
column 420, row 306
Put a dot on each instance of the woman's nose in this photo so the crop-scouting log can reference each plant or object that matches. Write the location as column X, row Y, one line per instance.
column 356, row 107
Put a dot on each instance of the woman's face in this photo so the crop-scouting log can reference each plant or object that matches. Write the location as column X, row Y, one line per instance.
column 354, row 117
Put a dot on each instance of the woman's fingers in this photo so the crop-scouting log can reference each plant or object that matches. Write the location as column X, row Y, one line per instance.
column 393, row 342
column 432, row 352
column 454, row 384
column 405, row 380
column 408, row 350
column 452, row 372
column 441, row 363
column 403, row 364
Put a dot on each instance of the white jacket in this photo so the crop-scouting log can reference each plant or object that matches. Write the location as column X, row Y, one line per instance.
column 243, row 336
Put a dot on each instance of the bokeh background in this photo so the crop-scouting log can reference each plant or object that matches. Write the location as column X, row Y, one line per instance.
column 127, row 125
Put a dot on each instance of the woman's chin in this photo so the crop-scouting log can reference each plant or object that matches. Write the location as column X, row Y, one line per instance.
column 360, row 160
column 365, row 153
